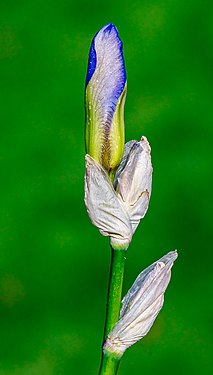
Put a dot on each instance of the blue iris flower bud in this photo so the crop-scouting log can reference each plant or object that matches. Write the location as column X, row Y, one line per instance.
column 104, row 99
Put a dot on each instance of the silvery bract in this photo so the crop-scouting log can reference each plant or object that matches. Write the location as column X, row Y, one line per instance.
column 133, row 179
column 104, row 206
column 141, row 305
column 116, row 210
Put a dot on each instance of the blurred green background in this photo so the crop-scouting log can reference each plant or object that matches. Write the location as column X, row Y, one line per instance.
column 53, row 263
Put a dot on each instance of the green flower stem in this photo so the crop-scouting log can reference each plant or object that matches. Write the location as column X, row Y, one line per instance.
column 114, row 289
column 109, row 364
column 110, row 361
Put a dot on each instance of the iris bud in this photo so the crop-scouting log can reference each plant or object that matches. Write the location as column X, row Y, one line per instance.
column 115, row 209
column 141, row 305
column 105, row 94
column 133, row 180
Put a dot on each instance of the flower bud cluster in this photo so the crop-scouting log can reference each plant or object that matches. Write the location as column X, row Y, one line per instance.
column 117, row 210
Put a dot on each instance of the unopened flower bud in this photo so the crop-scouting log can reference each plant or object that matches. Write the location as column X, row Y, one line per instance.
column 104, row 98
column 141, row 305
column 133, row 179
column 117, row 210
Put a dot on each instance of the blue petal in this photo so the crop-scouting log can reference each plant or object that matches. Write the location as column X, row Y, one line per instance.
column 91, row 62
column 106, row 75
column 92, row 53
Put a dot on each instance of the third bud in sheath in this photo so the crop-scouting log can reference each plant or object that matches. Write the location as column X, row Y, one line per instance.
column 141, row 305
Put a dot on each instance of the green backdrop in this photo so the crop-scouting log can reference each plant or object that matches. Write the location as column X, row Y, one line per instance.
column 53, row 263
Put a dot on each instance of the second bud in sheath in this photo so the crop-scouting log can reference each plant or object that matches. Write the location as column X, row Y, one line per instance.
column 117, row 210
column 133, row 179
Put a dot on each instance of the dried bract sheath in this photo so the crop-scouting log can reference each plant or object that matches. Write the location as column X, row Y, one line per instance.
column 141, row 305
column 104, row 207
column 133, row 179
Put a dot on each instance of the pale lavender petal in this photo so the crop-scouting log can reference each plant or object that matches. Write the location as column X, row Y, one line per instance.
column 106, row 75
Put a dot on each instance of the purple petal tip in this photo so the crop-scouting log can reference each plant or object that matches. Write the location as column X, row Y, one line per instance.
column 92, row 61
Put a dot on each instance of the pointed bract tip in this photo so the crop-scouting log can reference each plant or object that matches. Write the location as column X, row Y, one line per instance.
column 171, row 256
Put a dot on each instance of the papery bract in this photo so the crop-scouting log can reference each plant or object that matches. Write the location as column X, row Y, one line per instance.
column 133, row 179
column 141, row 305
column 104, row 207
